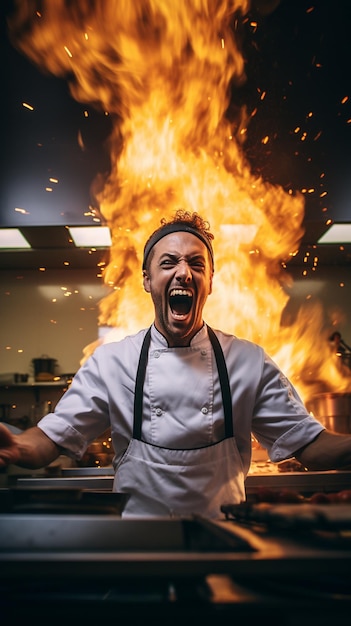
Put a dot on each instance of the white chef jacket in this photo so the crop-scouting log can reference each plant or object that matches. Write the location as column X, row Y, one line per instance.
column 182, row 404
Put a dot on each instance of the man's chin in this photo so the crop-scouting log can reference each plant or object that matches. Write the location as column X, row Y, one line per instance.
column 180, row 330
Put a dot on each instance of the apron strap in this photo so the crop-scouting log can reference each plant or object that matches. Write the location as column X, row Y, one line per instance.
column 139, row 386
column 223, row 379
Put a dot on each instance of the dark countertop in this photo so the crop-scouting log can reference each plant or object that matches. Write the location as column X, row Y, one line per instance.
column 97, row 565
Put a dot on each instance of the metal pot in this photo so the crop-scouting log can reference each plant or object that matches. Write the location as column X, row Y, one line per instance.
column 44, row 365
column 333, row 410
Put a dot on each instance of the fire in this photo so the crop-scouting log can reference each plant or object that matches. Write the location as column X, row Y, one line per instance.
column 164, row 71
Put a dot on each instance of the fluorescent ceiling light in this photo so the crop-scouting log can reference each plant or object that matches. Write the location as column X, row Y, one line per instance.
column 91, row 236
column 12, row 238
column 337, row 233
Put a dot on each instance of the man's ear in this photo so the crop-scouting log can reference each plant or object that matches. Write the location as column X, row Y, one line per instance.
column 146, row 281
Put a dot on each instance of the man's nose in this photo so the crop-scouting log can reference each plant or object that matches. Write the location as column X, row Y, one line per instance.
column 183, row 271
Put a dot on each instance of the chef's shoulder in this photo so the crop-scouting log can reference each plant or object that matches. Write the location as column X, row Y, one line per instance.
column 115, row 346
column 238, row 348
column 245, row 360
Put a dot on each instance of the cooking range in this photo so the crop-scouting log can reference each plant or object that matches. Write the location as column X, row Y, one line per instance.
column 71, row 547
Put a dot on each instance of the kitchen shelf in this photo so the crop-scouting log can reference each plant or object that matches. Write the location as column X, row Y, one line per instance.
column 59, row 383
column 35, row 387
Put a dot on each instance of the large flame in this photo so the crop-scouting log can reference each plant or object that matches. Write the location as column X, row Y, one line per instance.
column 164, row 72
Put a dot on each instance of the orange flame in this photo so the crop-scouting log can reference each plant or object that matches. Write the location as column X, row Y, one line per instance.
column 164, row 71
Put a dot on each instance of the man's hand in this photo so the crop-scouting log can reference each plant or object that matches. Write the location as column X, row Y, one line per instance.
column 9, row 449
column 31, row 449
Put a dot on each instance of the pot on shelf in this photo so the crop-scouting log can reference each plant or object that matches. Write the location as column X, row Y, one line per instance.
column 44, row 368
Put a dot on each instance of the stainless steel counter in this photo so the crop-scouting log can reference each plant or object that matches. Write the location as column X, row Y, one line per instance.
column 87, row 471
column 304, row 482
column 108, row 545
column 105, row 483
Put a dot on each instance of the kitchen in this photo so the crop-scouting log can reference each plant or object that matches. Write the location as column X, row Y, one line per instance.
column 75, row 317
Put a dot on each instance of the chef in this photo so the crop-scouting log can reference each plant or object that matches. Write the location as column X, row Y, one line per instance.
column 181, row 398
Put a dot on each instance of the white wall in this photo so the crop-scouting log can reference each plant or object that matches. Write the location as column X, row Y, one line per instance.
column 37, row 318
column 53, row 313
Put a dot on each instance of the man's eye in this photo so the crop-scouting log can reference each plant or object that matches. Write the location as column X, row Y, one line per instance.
column 198, row 265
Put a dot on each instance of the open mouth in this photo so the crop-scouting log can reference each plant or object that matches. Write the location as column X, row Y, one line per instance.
column 180, row 301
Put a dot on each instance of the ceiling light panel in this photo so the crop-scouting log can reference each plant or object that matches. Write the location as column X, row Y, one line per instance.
column 337, row 233
column 12, row 238
column 91, row 236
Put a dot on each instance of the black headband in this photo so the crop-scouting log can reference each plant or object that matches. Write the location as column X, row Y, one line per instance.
column 175, row 227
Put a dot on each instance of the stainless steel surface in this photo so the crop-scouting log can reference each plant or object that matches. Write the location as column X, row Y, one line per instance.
column 45, row 500
column 99, row 546
column 333, row 410
column 87, row 471
column 76, row 482
column 304, row 482
column 337, row 423
column 109, row 532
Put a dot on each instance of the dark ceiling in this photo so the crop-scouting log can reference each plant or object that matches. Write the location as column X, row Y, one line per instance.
column 298, row 56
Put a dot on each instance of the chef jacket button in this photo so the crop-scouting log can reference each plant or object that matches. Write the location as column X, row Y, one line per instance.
column 158, row 411
column 203, row 352
column 204, row 410
column 156, row 354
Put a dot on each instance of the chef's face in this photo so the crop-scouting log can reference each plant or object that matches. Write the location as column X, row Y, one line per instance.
column 179, row 279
